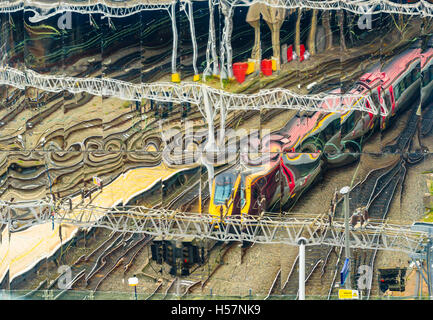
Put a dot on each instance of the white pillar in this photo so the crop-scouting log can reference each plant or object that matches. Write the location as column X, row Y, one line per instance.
column 223, row 115
column 345, row 191
column 211, row 44
column 228, row 11
column 173, row 26
column 223, row 69
column 190, row 16
column 208, row 114
column 302, row 242
column 210, row 172
column 417, row 284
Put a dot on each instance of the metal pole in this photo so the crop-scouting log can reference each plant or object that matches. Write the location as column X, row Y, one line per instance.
column 420, row 283
column 429, row 270
column 190, row 15
column 302, row 242
column 346, row 236
column 173, row 26
column 135, row 290
column 177, row 287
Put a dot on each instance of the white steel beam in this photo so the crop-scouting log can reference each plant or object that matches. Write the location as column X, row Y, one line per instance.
column 190, row 92
column 44, row 10
column 285, row 229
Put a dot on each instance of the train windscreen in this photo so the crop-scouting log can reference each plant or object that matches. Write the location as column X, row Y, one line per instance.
column 223, row 188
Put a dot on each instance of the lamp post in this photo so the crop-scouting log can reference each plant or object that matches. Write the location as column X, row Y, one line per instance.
column 302, row 241
column 345, row 192
column 133, row 283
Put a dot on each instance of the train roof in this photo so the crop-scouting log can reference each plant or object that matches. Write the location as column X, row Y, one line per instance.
column 426, row 57
column 392, row 69
column 399, row 64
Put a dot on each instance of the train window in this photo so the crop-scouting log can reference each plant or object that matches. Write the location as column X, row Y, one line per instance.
column 401, row 87
column 242, row 203
column 426, row 77
column 414, row 74
column 262, row 182
column 335, row 127
column 328, row 132
column 388, row 101
column 396, row 92
column 407, row 81
column 351, row 122
column 255, row 194
column 430, row 69
column 306, row 168
column 223, row 189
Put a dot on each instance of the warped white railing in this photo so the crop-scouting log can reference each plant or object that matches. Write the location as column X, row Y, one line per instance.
column 126, row 8
column 265, row 229
column 190, row 92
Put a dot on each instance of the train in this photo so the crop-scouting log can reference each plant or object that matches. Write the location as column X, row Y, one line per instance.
column 313, row 141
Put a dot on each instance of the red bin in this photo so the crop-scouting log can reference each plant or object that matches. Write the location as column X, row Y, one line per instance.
column 302, row 52
column 240, row 70
column 266, row 67
column 290, row 53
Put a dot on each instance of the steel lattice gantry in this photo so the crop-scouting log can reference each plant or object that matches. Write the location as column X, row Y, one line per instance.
column 190, row 92
column 266, row 229
column 45, row 9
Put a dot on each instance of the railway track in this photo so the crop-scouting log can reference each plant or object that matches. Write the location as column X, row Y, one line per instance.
column 179, row 289
column 402, row 143
column 170, row 285
column 427, row 121
column 274, row 285
column 85, row 266
column 159, row 285
column 378, row 209
column 90, row 271
column 378, row 205
column 361, row 193
column 222, row 254
column 314, row 257
column 122, row 256
column 375, row 194
column 185, row 199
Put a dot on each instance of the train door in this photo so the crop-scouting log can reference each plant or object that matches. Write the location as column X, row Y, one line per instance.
column 390, row 100
column 259, row 198
column 289, row 182
column 270, row 149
